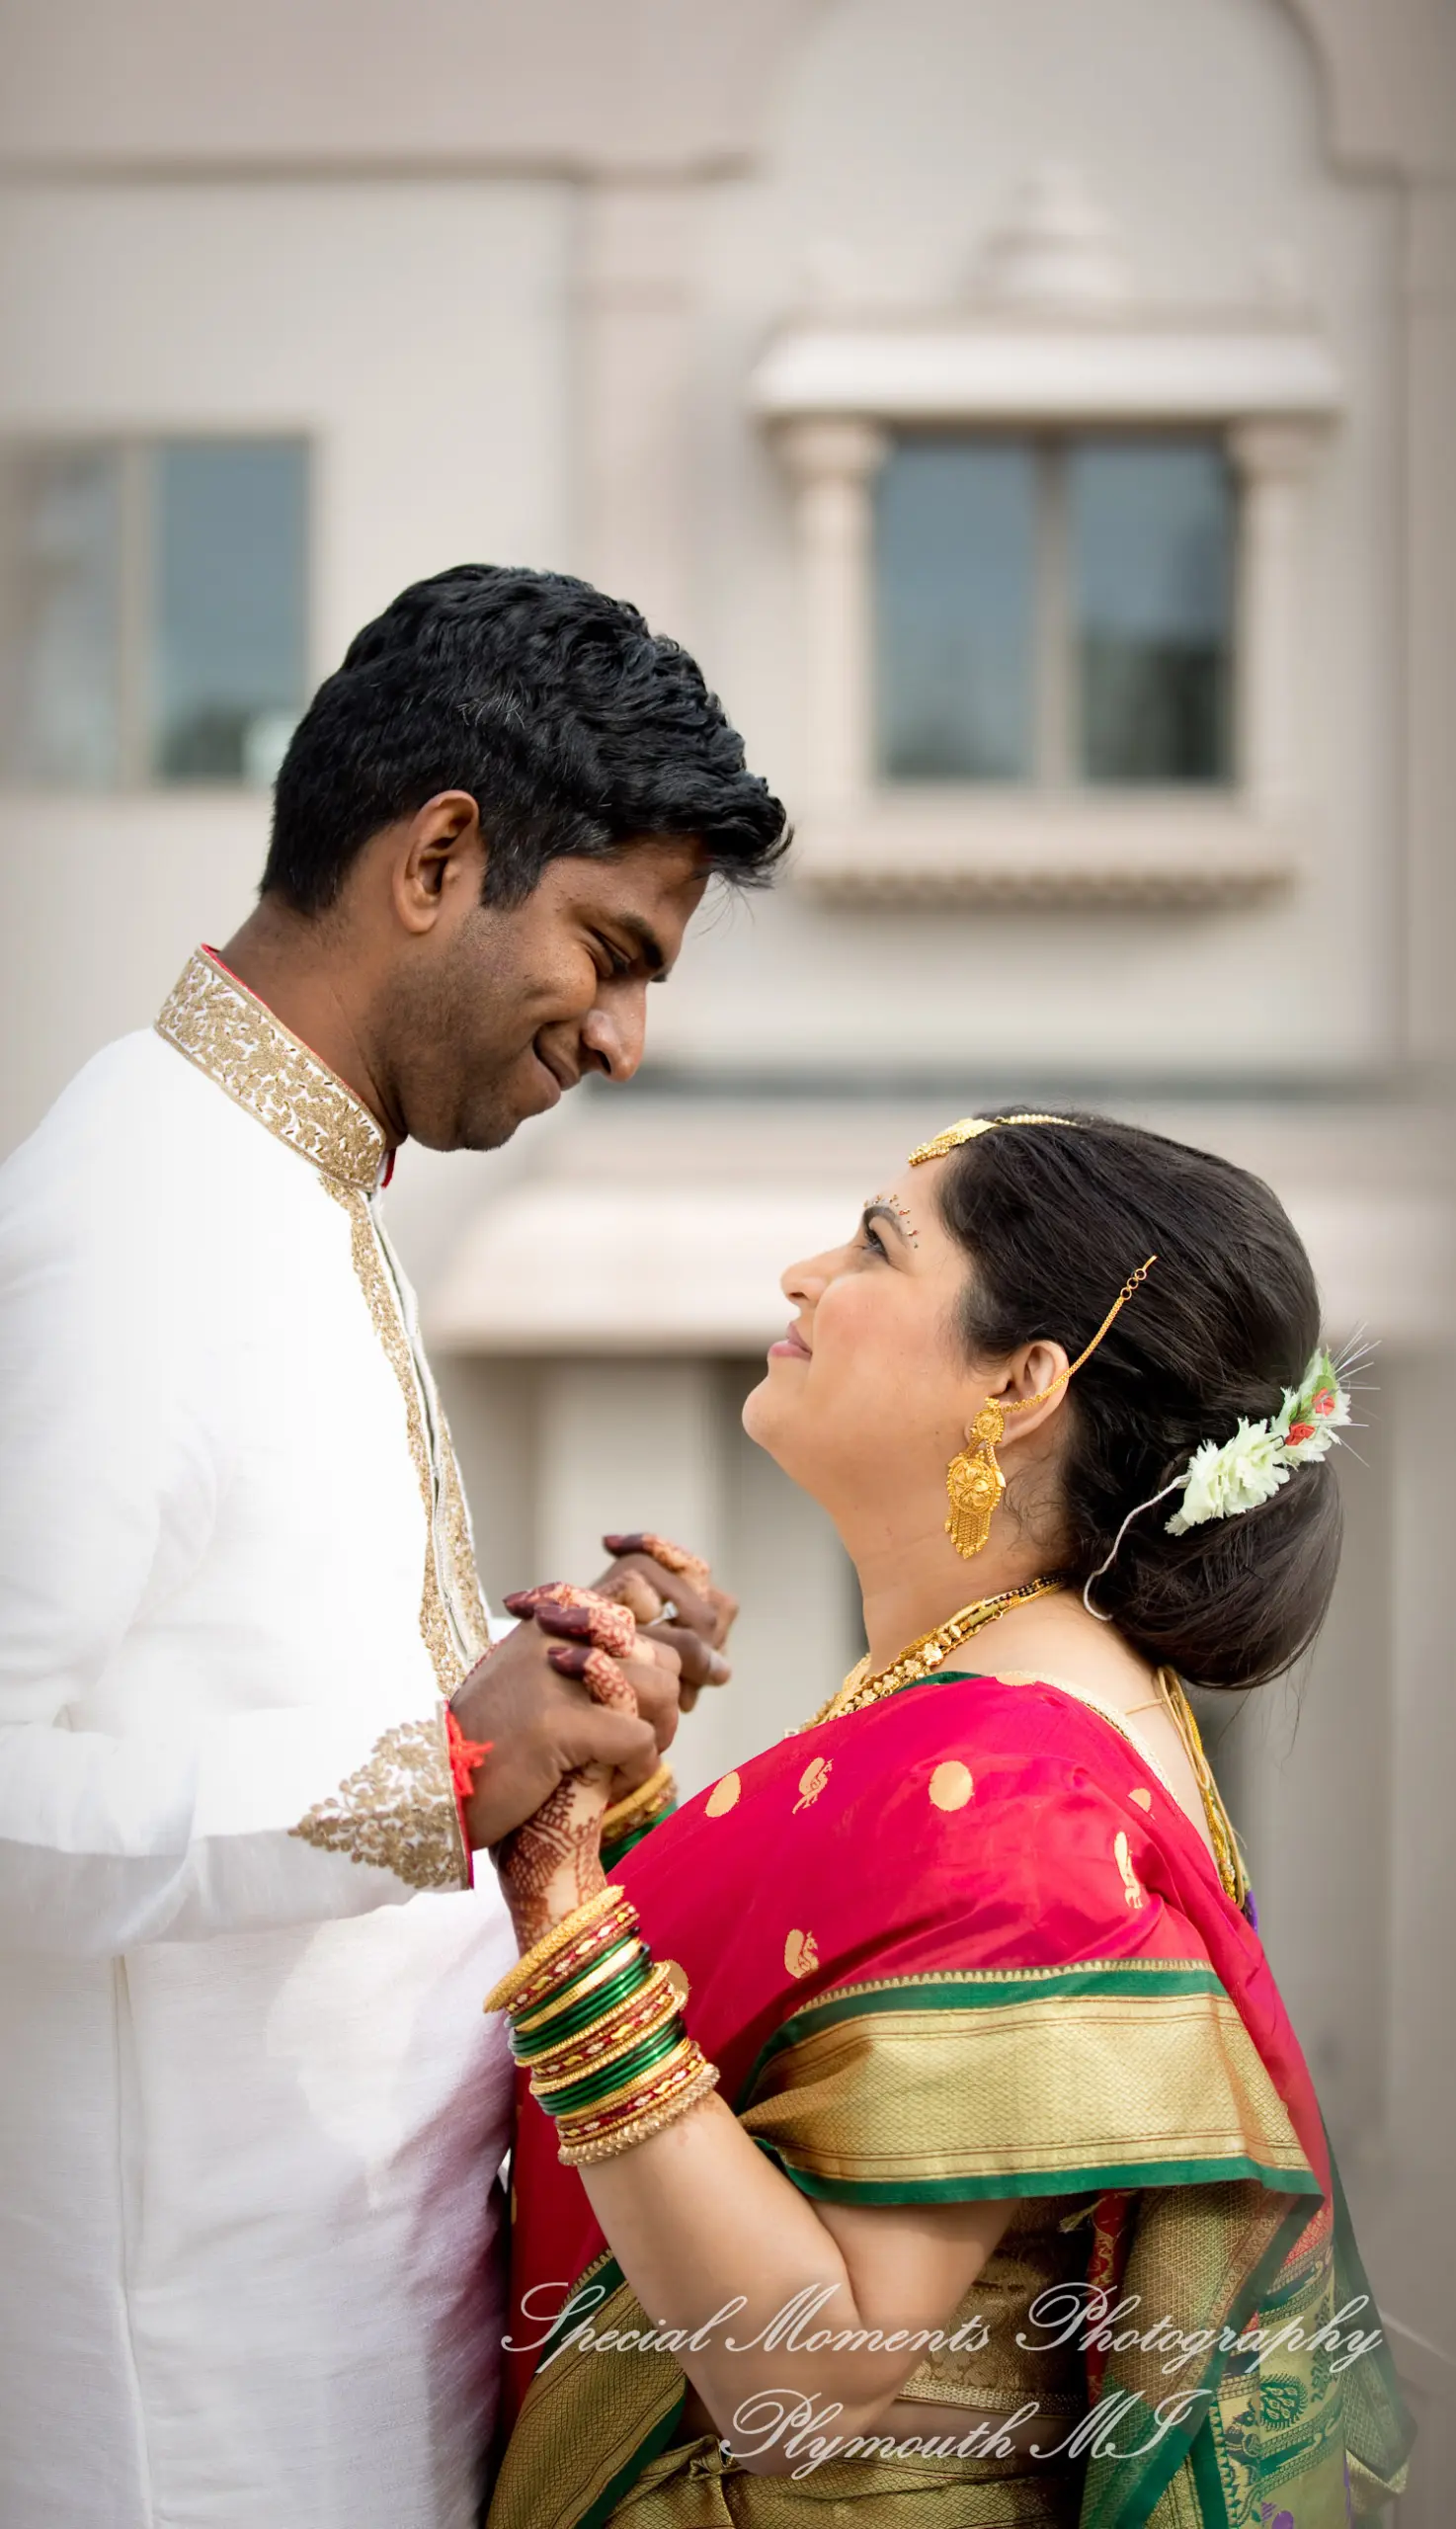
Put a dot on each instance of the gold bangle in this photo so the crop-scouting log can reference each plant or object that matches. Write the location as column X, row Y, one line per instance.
column 549, row 1947
column 616, row 2036
column 601, row 1972
column 592, row 2125
column 655, row 1793
column 573, row 2121
column 553, row 1976
column 577, row 2155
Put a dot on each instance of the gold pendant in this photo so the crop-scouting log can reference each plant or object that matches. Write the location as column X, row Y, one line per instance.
column 975, row 1482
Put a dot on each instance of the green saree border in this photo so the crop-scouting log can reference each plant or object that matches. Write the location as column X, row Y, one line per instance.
column 642, row 2457
column 1129, row 2178
column 983, row 1988
column 1131, row 2505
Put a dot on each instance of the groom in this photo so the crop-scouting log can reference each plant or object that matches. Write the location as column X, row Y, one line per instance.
column 250, row 2112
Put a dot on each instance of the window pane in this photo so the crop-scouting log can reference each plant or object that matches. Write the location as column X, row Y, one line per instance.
column 956, row 575
column 1153, row 551
column 229, row 662
column 59, row 540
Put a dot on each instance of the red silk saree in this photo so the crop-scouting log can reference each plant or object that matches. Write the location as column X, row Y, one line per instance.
column 965, row 1943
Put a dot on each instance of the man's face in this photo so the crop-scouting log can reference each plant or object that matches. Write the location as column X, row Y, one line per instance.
column 508, row 1007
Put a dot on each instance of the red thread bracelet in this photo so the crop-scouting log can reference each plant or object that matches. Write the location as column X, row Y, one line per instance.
column 467, row 1756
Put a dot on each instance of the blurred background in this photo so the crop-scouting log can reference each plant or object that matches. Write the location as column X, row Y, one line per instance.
column 1038, row 415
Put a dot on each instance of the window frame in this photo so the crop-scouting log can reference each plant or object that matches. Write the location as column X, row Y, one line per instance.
column 831, row 393
column 1057, row 767
column 136, row 450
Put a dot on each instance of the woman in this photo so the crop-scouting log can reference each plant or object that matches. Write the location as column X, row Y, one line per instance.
column 984, row 2139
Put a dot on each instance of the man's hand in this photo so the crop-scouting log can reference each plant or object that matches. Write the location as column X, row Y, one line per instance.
column 649, row 1572
column 542, row 1725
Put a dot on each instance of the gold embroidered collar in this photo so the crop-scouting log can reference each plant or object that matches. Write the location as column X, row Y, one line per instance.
column 234, row 1037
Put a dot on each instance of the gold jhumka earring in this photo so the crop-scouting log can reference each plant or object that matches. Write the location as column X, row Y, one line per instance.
column 974, row 1481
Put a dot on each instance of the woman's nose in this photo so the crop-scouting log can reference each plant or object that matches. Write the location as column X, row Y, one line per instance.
column 805, row 1281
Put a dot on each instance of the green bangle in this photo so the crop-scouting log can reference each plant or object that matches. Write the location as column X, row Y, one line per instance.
column 589, row 1975
column 595, row 2006
column 616, row 2077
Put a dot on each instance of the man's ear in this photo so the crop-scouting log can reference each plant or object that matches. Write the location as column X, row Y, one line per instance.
column 441, row 860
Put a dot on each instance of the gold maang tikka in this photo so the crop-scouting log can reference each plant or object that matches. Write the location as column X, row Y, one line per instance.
column 974, row 1481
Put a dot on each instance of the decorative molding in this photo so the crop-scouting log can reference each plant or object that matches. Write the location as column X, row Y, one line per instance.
column 929, row 847
column 1056, row 248
column 833, row 464
column 979, row 368
column 1053, row 342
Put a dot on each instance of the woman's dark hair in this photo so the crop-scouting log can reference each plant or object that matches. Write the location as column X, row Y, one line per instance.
column 574, row 728
column 1054, row 1221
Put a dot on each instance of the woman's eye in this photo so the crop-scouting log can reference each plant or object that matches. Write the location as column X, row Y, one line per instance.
column 875, row 1242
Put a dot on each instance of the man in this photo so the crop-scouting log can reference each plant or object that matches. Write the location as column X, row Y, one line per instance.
column 250, row 2112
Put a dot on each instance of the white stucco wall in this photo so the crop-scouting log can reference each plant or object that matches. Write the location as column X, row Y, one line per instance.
column 896, row 137
column 418, row 334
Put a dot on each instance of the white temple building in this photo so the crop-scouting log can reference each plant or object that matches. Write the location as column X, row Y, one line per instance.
column 1038, row 415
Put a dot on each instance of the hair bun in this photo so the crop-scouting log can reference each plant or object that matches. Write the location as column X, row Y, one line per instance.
column 1228, row 1323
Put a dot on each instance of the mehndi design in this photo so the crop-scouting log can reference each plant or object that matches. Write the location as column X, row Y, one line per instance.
column 558, row 1849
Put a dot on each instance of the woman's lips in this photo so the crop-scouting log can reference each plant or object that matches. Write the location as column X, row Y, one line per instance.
column 790, row 1348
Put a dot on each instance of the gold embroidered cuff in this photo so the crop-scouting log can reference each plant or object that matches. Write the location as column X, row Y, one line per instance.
column 397, row 1811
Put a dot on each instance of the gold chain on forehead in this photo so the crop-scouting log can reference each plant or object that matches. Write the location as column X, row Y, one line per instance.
column 969, row 1126
column 967, row 1129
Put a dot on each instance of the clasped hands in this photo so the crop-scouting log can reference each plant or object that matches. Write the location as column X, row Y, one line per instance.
column 548, row 1698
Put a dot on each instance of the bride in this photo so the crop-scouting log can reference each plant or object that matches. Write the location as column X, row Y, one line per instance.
column 936, row 2141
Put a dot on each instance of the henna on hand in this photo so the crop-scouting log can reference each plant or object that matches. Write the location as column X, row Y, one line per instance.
column 612, row 1626
column 673, row 1558
column 636, row 1592
column 601, row 1678
column 553, row 1864
column 688, row 1567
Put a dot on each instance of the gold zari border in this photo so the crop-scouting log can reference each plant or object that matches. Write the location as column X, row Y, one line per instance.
column 1054, row 2083
column 234, row 1037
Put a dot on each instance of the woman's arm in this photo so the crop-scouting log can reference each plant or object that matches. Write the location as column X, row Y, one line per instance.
column 702, row 2223
column 774, row 2296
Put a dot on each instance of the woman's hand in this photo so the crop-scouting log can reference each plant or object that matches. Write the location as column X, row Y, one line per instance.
column 650, row 1573
column 553, row 1863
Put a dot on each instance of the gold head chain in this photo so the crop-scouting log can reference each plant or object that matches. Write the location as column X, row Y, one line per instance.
column 974, row 1482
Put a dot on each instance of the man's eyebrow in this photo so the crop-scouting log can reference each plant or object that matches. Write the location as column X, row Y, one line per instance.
column 649, row 946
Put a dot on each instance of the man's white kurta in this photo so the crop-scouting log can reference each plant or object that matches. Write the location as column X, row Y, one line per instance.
column 251, row 2114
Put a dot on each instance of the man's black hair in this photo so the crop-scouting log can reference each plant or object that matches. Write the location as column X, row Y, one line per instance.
column 574, row 728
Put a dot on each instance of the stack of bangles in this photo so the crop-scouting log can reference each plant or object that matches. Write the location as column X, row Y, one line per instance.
column 596, row 2021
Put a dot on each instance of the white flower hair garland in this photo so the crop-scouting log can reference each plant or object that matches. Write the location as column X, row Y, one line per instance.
column 1224, row 1478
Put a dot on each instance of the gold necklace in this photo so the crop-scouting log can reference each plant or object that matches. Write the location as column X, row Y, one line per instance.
column 1225, row 1842
column 927, row 1653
